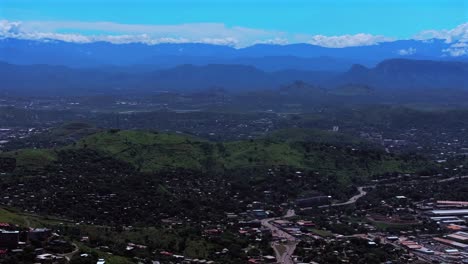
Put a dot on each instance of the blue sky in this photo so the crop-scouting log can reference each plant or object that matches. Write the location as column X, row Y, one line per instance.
column 287, row 21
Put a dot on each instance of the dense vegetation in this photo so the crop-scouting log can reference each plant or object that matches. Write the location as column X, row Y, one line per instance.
column 138, row 177
column 152, row 151
column 174, row 186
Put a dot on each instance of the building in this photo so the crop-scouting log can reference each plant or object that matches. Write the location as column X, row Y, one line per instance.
column 452, row 204
column 251, row 224
column 459, row 212
column 259, row 214
column 39, row 234
column 313, row 201
column 451, row 243
column 461, row 237
column 9, row 239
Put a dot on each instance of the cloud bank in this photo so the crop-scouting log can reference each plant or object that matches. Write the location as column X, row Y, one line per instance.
column 457, row 37
column 210, row 33
column 348, row 40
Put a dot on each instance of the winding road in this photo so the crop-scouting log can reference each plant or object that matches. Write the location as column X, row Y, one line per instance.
column 70, row 255
column 355, row 197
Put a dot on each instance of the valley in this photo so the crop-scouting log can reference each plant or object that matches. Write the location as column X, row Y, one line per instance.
column 233, row 132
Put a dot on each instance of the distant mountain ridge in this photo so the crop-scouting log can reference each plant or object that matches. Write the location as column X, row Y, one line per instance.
column 409, row 74
column 394, row 74
column 61, row 80
column 267, row 57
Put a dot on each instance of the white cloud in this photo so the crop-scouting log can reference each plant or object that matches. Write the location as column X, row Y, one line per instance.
column 459, row 33
column 7, row 27
column 457, row 37
column 457, row 49
column 408, row 51
column 275, row 41
column 220, row 41
column 211, row 33
column 360, row 39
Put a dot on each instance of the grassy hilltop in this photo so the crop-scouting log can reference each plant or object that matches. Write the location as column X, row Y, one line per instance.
column 152, row 151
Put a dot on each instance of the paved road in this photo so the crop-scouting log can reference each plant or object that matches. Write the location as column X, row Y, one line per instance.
column 70, row 255
column 363, row 193
column 284, row 256
column 351, row 200
column 283, row 251
column 355, row 197
column 453, row 178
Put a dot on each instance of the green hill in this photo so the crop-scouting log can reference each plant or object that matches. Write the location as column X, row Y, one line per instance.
column 31, row 159
column 151, row 151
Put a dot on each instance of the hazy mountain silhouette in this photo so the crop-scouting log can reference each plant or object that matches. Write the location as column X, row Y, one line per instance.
column 266, row 57
column 405, row 74
column 389, row 74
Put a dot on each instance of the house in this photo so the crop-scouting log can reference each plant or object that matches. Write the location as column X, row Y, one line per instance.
column 9, row 239
column 259, row 214
column 50, row 258
column 313, row 201
column 269, row 259
column 461, row 237
column 449, row 212
column 39, row 234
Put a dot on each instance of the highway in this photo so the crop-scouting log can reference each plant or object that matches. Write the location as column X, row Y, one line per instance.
column 283, row 251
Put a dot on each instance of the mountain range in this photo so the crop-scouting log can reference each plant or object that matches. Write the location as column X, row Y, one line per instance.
column 266, row 57
column 51, row 67
column 410, row 74
column 393, row 74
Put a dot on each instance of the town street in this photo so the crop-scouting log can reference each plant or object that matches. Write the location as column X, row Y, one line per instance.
column 283, row 251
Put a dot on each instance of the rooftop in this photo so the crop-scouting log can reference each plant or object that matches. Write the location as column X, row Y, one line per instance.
column 8, row 232
column 450, row 212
